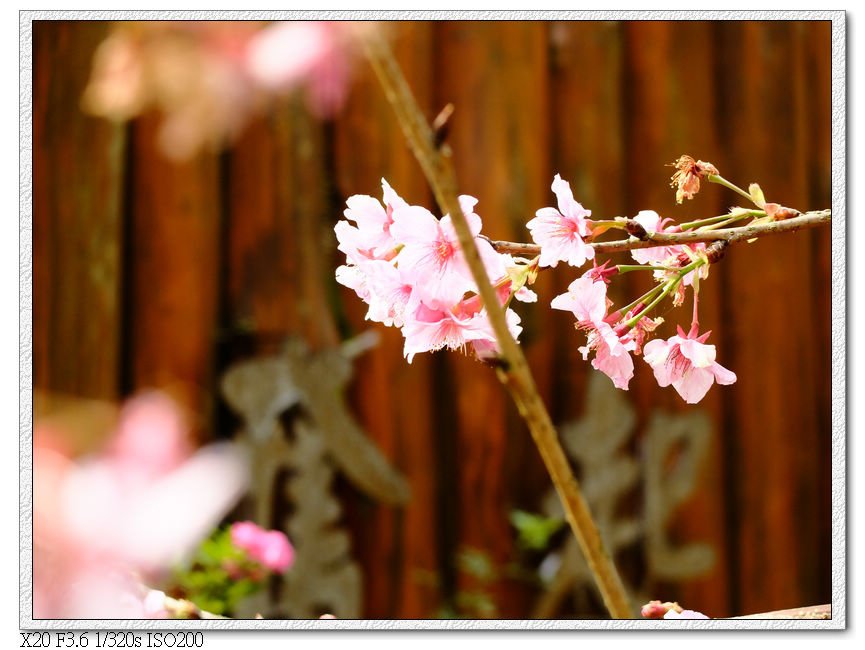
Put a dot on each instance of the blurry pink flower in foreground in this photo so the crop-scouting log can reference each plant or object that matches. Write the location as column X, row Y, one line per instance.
column 209, row 78
column 688, row 363
column 313, row 54
column 270, row 548
column 560, row 232
column 103, row 524
column 685, row 613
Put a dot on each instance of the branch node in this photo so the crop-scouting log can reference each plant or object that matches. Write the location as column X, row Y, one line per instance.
column 636, row 229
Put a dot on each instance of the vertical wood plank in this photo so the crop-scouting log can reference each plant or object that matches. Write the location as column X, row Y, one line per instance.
column 175, row 260
column 77, row 187
column 775, row 422
column 496, row 76
column 816, row 39
column 394, row 401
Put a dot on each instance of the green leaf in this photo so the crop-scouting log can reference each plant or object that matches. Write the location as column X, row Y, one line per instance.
column 533, row 530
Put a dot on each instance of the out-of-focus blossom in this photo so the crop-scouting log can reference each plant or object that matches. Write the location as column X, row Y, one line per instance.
column 560, row 232
column 685, row 613
column 104, row 523
column 313, row 54
column 686, row 180
column 209, row 78
column 686, row 362
column 270, row 548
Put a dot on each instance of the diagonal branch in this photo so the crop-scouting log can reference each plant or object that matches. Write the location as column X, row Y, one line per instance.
column 513, row 370
column 730, row 235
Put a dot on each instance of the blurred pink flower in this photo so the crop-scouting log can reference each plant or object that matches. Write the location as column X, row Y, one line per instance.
column 106, row 522
column 686, row 362
column 270, row 548
column 313, row 54
column 560, row 232
column 208, row 79
column 685, row 613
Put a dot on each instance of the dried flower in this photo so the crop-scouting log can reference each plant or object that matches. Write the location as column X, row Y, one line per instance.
column 687, row 177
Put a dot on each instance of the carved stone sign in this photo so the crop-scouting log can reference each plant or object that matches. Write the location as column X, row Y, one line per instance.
column 299, row 432
column 608, row 474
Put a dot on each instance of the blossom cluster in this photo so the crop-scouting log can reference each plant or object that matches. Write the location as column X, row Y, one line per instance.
column 408, row 266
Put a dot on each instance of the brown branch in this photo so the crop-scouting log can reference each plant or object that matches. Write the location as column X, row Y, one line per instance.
column 513, row 370
column 730, row 235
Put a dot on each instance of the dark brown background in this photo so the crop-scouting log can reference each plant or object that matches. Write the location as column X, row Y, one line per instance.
column 153, row 273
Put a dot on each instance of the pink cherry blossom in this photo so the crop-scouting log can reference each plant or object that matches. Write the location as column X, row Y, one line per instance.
column 270, row 548
column 652, row 222
column 560, row 232
column 433, row 329
column 686, row 362
column 612, row 354
column 431, row 255
column 586, row 299
column 371, row 238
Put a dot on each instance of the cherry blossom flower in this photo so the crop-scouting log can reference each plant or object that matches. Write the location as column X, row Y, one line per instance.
column 270, row 548
column 560, row 233
column 686, row 180
column 686, row 362
column 433, row 329
column 586, row 299
column 102, row 523
column 371, row 238
column 652, row 222
column 612, row 354
column 431, row 255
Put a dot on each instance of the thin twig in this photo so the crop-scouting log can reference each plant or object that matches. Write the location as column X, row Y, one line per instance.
column 731, row 235
column 513, row 370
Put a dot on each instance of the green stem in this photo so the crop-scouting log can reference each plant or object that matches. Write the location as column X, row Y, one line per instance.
column 720, row 180
column 645, row 296
column 668, row 287
column 627, row 268
column 690, row 225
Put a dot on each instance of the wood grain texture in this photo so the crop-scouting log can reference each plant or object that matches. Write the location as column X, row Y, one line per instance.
column 394, row 401
column 77, row 220
column 174, row 274
column 778, row 437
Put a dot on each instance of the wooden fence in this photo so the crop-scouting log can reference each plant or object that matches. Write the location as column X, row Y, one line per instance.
column 153, row 273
